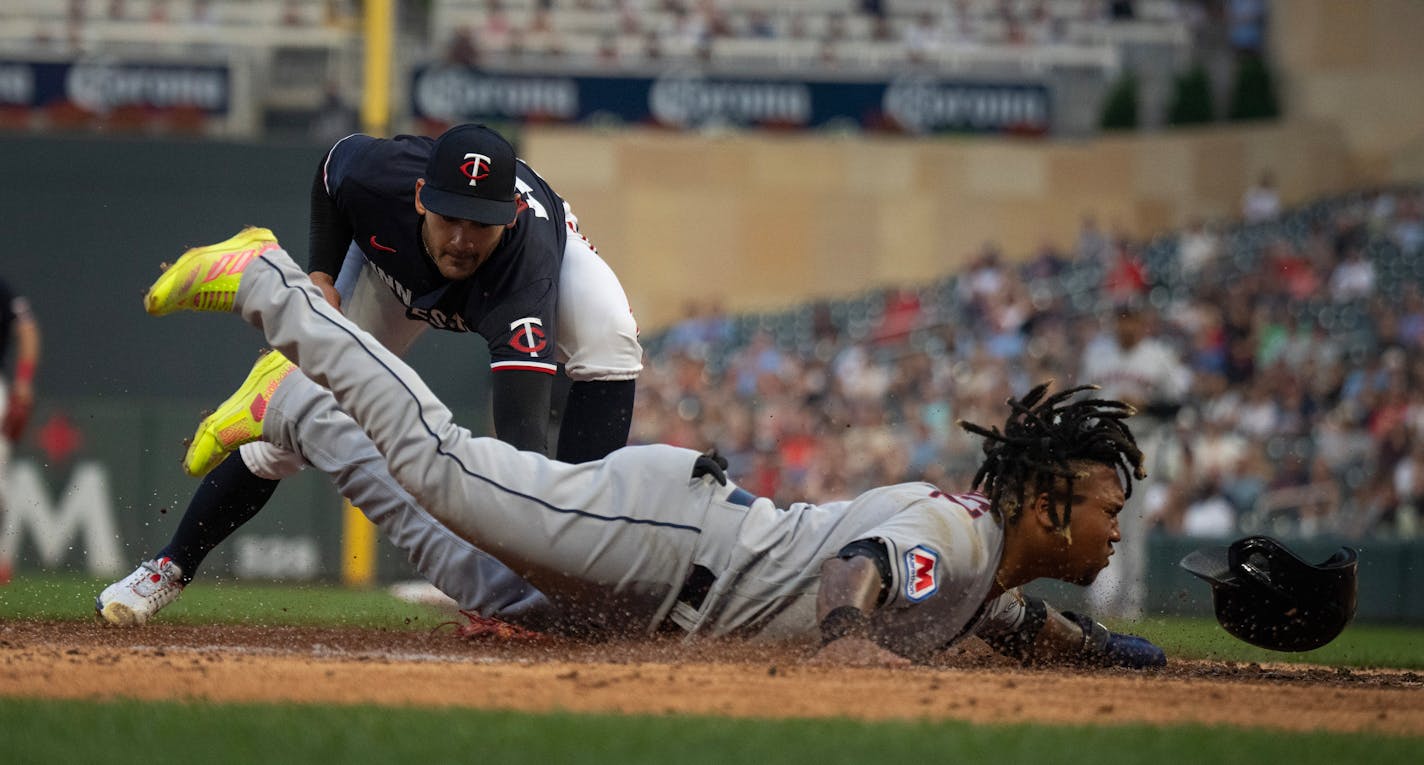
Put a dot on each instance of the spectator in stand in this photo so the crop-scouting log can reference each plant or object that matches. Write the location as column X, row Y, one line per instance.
column 899, row 317
column 1353, row 278
column 1408, row 231
column 1262, row 366
column 1207, row 511
column 494, row 33
column 1046, row 265
column 463, row 48
column 1258, row 415
column 1261, row 202
column 1126, row 278
column 1093, row 245
column 923, row 38
column 1197, row 249
column 1319, row 510
column 1294, row 273
column 759, row 25
column 1411, row 317
column 1408, row 478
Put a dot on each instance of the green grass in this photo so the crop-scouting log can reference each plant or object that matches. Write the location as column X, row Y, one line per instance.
column 1360, row 645
column 63, row 597
column 120, row 732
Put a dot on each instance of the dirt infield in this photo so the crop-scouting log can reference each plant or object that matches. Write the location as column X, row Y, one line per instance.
column 416, row 668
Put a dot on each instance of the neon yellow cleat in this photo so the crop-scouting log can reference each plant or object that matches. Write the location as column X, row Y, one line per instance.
column 206, row 278
column 238, row 420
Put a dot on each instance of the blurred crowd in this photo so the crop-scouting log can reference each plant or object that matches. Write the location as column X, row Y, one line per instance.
column 477, row 31
column 1300, row 331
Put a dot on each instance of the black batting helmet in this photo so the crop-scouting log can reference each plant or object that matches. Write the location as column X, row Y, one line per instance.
column 1267, row 596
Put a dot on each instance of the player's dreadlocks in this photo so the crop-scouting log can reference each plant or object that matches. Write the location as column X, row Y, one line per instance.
column 1043, row 436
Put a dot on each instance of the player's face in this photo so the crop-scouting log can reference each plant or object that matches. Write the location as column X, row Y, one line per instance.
column 1097, row 501
column 457, row 246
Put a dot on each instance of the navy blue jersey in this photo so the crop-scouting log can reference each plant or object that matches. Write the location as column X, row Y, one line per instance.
column 510, row 301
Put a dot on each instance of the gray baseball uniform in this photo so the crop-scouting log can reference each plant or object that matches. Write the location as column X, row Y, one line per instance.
column 616, row 542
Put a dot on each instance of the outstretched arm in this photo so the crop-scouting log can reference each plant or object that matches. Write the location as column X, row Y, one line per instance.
column 520, row 402
column 1046, row 636
column 329, row 236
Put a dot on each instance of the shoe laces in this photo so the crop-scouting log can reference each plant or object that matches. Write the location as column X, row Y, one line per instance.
column 162, row 573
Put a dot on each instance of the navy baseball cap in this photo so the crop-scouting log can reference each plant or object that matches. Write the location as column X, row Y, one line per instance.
column 470, row 176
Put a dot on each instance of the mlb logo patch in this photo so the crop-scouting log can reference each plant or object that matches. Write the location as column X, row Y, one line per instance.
column 921, row 572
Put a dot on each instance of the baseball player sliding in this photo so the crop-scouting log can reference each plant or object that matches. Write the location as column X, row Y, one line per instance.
column 458, row 234
column 655, row 537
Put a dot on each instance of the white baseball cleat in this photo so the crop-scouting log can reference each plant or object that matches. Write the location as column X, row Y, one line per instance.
column 133, row 600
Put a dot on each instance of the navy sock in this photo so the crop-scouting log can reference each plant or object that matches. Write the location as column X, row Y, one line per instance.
column 597, row 416
column 228, row 497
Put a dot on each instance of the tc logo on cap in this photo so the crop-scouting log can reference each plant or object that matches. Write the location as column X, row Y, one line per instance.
column 476, row 167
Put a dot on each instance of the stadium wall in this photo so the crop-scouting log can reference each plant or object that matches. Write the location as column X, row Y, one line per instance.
column 765, row 220
column 1359, row 66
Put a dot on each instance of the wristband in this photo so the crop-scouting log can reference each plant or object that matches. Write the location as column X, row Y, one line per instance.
column 25, row 371
column 1095, row 636
column 844, row 621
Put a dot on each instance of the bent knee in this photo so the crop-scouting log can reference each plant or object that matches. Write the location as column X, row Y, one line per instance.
column 270, row 461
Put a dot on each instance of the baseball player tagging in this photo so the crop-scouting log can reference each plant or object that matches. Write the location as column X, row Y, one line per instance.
column 653, row 536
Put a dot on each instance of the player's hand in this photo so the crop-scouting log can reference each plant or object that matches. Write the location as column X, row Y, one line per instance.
column 854, row 651
column 1132, row 652
column 327, row 285
column 1105, row 648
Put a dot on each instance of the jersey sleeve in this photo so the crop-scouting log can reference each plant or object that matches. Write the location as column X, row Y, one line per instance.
column 341, row 160
column 931, row 549
column 941, row 566
column 521, row 331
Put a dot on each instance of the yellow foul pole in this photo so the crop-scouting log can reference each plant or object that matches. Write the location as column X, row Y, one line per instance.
column 358, row 535
column 378, row 29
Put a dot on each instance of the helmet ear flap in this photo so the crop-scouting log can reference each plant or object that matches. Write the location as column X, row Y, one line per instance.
column 1268, row 596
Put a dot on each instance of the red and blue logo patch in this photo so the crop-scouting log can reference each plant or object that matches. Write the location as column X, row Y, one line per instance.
column 921, row 573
